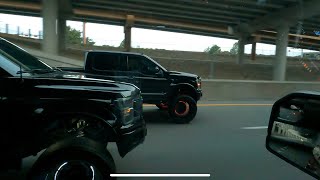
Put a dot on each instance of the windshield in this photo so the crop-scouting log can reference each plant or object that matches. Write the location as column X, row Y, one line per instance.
column 22, row 57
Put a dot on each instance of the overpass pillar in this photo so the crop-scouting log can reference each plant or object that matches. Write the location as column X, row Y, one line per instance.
column 253, row 50
column 280, row 62
column 50, row 36
column 240, row 56
column 127, row 38
column 62, row 26
column 127, row 32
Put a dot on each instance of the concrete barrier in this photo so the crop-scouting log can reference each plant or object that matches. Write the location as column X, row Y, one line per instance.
column 232, row 90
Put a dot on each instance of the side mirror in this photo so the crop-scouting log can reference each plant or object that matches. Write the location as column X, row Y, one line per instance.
column 294, row 131
column 154, row 70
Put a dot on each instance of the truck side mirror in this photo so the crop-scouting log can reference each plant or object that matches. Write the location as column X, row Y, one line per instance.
column 294, row 131
column 153, row 70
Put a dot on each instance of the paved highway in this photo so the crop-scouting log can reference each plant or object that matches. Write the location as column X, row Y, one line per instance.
column 225, row 140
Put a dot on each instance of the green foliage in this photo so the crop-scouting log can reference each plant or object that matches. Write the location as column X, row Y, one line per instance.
column 213, row 49
column 90, row 42
column 73, row 36
column 234, row 49
column 121, row 44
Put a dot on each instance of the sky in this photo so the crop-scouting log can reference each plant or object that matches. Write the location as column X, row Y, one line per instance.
column 144, row 38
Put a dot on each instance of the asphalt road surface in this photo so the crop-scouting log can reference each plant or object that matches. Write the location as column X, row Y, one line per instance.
column 225, row 140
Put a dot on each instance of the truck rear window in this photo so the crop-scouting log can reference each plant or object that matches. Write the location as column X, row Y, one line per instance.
column 107, row 62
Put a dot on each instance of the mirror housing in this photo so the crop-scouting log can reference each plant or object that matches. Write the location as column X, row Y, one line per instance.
column 154, row 70
column 294, row 131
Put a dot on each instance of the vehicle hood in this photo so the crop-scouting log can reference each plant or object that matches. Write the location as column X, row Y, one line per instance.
column 80, row 82
column 177, row 74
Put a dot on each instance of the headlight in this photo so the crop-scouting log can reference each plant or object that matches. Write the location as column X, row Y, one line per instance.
column 127, row 112
column 199, row 83
column 124, row 110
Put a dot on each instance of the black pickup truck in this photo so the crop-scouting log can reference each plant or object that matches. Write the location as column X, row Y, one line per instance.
column 70, row 116
column 178, row 92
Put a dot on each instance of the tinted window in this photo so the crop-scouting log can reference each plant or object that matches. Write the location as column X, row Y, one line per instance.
column 140, row 64
column 108, row 62
column 8, row 65
column 22, row 56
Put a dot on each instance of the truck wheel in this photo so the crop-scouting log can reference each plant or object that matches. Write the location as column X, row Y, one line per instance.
column 183, row 109
column 162, row 106
column 84, row 159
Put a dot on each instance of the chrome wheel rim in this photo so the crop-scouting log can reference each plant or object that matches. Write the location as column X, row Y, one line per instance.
column 76, row 169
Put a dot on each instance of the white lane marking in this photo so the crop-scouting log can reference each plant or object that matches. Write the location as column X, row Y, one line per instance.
column 160, row 175
column 256, row 127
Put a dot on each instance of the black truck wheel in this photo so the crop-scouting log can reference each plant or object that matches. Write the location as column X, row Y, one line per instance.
column 183, row 109
column 80, row 158
column 162, row 106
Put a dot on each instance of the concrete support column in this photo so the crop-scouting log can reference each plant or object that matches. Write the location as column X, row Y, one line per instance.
column 40, row 34
column 62, row 25
column 127, row 38
column 127, row 32
column 7, row 28
column 84, row 36
column 253, row 51
column 280, row 62
column 240, row 57
column 50, row 35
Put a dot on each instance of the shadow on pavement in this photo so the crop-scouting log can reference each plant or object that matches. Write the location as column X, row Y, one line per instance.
column 156, row 116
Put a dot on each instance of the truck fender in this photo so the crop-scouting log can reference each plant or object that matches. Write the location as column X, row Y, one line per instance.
column 183, row 88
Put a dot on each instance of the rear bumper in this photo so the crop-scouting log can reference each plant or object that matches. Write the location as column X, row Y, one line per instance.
column 130, row 137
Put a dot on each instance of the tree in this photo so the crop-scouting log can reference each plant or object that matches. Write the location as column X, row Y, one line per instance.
column 73, row 36
column 121, row 44
column 213, row 49
column 234, row 49
column 90, row 42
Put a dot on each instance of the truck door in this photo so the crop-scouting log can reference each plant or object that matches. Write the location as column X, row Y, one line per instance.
column 153, row 85
column 5, row 133
column 17, row 126
column 9, row 129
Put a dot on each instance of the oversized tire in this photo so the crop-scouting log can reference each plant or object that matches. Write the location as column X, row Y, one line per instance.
column 162, row 106
column 182, row 109
column 79, row 158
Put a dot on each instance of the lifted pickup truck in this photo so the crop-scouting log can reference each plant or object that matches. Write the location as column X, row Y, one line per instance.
column 177, row 92
column 70, row 115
